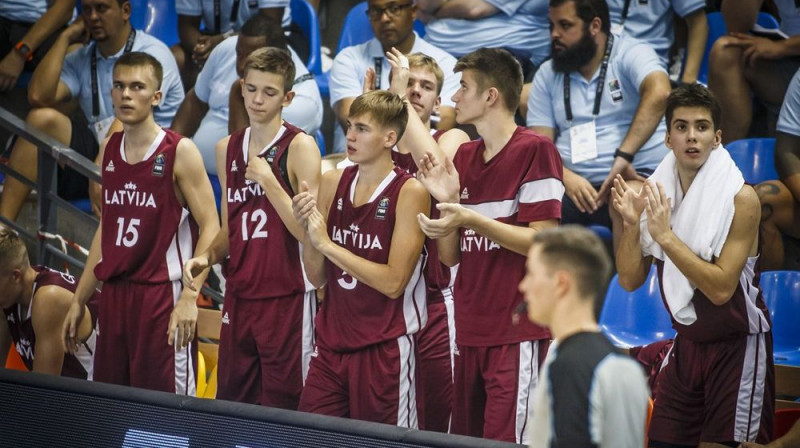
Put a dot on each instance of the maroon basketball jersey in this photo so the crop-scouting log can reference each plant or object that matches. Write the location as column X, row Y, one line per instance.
column 354, row 315
column 745, row 313
column 519, row 185
column 146, row 231
column 265, row 259
column 437, row 275
column 20, row 325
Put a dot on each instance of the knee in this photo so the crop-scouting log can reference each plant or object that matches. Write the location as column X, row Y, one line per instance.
column 769, row 194
column 724, row 56
column 47, row 119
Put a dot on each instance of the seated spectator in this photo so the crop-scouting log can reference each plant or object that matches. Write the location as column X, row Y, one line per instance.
column 463, row 26
column 652, row 22
column 35, row 301
column 780, row 199
column 204, row 114
column 392, row 23
column 27, row 30
column 218, row 20
column 61, row 78
column 742, row 65
column 601, row 99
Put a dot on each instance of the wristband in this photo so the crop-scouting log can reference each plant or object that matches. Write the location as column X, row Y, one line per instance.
column 624, row 155
column 24, row 50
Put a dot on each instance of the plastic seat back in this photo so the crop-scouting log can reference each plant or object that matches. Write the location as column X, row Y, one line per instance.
column 157, row 18
column 781, row 290
column 755, row 157
column 635, row 318
column 305, row 17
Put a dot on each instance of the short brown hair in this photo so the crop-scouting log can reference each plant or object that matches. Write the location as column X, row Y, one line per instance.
column 496, row 68
column 693, row 95
column 420, row 60
column 577, row 249
column 272, row 60
column 141, row 59
column 386, row 108
column 13, row 253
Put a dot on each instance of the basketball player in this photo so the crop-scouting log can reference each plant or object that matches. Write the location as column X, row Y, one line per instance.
column 149, row 175
column 365, row 243
column 266, row 338
column 497, row 192
column 35, row 300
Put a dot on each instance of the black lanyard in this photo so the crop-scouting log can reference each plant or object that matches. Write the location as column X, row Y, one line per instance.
column 601, row 80
column 378, row 62
column 95, row 90
column 625, row 9
column 218, row 14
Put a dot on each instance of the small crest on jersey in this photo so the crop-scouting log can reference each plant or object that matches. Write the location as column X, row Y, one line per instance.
column 339, row 204
column 225, row 319
column 465, row 194
column 131, row 186
column 271, row 152
column 110, row 166
column 234, row 167
column 158, row 165
column 383, row 209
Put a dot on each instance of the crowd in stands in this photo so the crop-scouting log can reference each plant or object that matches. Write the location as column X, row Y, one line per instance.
column 442, row 277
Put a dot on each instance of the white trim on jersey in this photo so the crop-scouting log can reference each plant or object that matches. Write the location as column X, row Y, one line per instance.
column 85, row 354
column 756, row 320
column 529, row 193
column 180, row 248
column 750, row 399
column 306, row 282
column 307, row 337
column 407, row 393
column 449, row 307
column 184, row 366
column 528, row 378
column 150, row 151
column 246, row 143
column 378, row 190
column 415, row 310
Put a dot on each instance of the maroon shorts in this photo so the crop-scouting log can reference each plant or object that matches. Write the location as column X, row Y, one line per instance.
column 492, row 389
column 264, row 349
column 374, row 384
column 434, row 371
column 132, row 347
column 715, row 392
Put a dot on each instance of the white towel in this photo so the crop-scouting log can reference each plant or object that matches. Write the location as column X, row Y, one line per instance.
column 701, row 220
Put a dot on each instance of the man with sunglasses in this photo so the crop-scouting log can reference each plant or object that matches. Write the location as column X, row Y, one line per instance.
column 392, row 23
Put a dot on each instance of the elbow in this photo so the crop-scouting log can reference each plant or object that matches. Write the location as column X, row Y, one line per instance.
column 36, row 99
column 395, row 288
column 628, row 283
column 720, row 297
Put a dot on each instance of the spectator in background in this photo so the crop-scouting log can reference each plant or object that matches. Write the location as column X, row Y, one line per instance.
column 651, row 21
column 27, row 31
column 61, row 78
column 742, row 65
column 392, row 22
column 780, row 199
column 205, row 115
column 619, row 132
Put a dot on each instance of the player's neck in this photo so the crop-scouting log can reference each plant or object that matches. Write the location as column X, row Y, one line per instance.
column 495, row 128
column 139, row 136
column 573, row 320
column 372, row 173
column 114, row 44
column 588, row 70
column 262, row 134
column 686, row 178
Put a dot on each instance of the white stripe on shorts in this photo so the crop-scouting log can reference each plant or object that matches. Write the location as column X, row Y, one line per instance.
column 407, row 393
column 528, row 378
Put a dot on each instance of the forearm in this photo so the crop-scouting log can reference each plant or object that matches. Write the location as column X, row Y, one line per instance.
column 219, row 248
column 188, row 32
column 466, row 9
column 314, row 264
column 189, row 115
column 88, row 282
column 54, row 18
column 695, row 46
column 237, row 114
column 387, row 279
column 645, row 121
column 787, row 161
column 789, row 47
column 417, row 138
column 631, row 266
column 209, row 233
column 43, row 85
column 449, row 249
column 514, row 238
column 283, row 205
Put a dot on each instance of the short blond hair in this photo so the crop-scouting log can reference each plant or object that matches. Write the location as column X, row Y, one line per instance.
column 386, row 108
column 421, row 60
column 13, row 253
column 272, row 60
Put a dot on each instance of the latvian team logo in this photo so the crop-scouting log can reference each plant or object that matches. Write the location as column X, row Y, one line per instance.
column 158, row 165
column 383, row 209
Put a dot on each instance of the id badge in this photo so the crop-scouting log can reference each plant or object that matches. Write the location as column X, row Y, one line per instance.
column 583, row 142
column 617, row 28
column 101, row 127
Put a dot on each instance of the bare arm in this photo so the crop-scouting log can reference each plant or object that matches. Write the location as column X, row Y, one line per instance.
column 50, row 305
column 787, row 161
column 189, row 115
column 342, row 110
column 447, row 118
column 188, row 32
column 631, row 266
column 466, row 9
column 697, row 26
column 45, row 88
column 313, row 259
column 391, row 278
column 717, row 279
column 86, row 286
column 237, row 114
column 740, row 15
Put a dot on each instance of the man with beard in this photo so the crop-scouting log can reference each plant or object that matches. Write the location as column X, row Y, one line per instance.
column 601, row 99
column 393, row 25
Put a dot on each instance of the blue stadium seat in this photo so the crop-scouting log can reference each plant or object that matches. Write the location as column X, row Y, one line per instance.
column 84, row 205
column 781, row 290
column 320, row 138
column 755, row 157
column 602, row 231
column 215, row 186
column 157, row 18
column 631, row 319
column 305, row 17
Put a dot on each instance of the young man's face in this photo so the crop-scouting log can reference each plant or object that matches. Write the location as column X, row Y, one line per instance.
column 368, row 140
column 105, row 18
column 244, row 46
column 134, row 93
column 392, row 20
column 422, row 92
column 470, row 99
column 691, row 136
column 537, row 288
column 263, row 95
